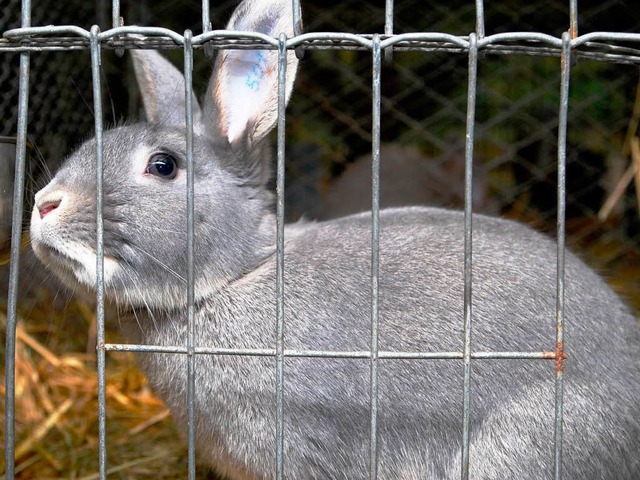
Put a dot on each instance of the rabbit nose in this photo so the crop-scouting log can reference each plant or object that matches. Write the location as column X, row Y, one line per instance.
column 47, row 207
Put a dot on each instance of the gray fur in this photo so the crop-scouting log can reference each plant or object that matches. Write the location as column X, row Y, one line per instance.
column 327, row 305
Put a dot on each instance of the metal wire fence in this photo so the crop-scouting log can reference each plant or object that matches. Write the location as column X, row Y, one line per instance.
column 417, row 59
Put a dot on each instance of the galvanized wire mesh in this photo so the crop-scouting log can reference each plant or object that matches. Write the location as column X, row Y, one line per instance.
column 424, row 104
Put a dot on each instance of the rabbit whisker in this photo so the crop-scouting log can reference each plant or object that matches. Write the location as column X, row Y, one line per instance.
column 149, row 227
column 160, row 263
column 84, row 101
column 138, row 249
column 42, row 161
column 140, row 295
column 106, row 85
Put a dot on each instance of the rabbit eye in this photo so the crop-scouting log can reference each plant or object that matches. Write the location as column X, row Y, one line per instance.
column 162, row 165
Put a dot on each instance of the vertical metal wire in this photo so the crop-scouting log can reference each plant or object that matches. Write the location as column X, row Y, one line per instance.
column 388, row 29
column 206, row 16
column 297, row 17
column 375, row 251
column 206, row 27
column 480, row 18
column 191, row 329
column 388, row 17
column 14, row 272
column 115, row 13
column 97, row 109
column 562, row 157
column 573, row 18
column 468, row 258
column 282, row 72
column 14, row 269
column 297, row 26
column 116, row 21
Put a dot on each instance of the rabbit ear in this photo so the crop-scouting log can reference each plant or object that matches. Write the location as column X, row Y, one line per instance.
column 241, row 104
column 162, row 88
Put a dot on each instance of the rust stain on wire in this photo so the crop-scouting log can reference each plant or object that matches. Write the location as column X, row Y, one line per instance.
column 560, row 356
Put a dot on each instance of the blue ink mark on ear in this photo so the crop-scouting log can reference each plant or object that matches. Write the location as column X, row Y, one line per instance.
column 257, row 73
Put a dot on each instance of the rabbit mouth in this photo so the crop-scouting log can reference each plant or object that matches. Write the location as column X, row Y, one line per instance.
column 76, row 263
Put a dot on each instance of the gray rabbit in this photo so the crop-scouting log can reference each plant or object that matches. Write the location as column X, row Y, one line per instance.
column 327, row 302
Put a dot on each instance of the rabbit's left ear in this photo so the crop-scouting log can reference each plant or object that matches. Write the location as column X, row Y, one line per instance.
column 241, row 103
column 162, row 87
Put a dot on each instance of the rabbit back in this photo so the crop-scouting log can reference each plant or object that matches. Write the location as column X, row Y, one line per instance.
column 327, row 401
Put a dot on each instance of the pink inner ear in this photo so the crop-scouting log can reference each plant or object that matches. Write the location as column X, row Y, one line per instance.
column 249, row 81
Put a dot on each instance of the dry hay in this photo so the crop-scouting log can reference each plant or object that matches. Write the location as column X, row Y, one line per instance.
column 57, row 404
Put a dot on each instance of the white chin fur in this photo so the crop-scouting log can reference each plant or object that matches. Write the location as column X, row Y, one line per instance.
column 78, row 260
column 86, row 268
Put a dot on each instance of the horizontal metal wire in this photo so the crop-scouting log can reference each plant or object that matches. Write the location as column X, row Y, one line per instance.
column 363, row 354
column 595, row 45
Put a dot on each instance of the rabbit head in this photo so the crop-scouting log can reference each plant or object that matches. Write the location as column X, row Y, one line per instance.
column 145, row 218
